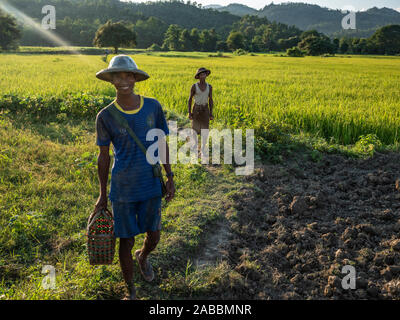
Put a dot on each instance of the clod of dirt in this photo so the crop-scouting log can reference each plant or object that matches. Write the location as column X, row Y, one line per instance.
column 385, row 215
column 349, row 233
column 361, row 283
column 392, row 288
column 340, row 254
column 299, row 205
column 334, row 281
column 339, row 212
column 386, row 274
column 395, row 244
column 328, row 291
column 372, row 290
column 395, row 270
column 361, row 294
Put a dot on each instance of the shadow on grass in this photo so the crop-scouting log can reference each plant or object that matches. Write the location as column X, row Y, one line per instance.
column 183, row 240
column 56, row 129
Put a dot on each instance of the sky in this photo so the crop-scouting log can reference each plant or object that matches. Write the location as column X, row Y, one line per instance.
column 333, row 4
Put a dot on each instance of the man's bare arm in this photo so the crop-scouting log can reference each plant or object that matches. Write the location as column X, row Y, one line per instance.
column 103, row 167
column 164, row 156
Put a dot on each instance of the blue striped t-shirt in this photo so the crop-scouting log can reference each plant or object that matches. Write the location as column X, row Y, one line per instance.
column 132, row 176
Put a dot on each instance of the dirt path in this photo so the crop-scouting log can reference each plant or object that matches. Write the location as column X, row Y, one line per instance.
column 302, row 221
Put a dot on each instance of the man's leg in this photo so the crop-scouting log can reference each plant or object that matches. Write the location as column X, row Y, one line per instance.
column 150, row 243
column 126, row 260
column 149, row 222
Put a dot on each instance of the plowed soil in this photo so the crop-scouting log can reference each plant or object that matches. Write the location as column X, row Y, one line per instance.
column 303, row 221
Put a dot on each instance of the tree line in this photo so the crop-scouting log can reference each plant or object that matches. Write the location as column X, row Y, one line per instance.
column 385, row 41
column 249, row 33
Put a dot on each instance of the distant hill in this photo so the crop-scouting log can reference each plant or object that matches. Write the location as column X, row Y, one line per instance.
column 212, row 6
column 237, row 9
column 171, row 12
column 308, row 16
column 78, row 20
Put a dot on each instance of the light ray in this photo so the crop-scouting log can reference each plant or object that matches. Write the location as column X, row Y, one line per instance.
column 22, row 17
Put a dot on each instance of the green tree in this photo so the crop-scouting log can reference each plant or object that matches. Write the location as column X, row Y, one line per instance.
column 309, row 33
column 185, row 40
column 344, row 45
column 222, row 46
column 249, row 32
column 235, row 40
column 257, row 44
column 268, row 39
column 154, row 47
column 355, row 46
column 171, row 38
column 285, row 44
column 386, row 40
column 294, row 52
column 114, row 35
column 150, row 31
column 336, row 43
column 208, row 40
column 262, row 35
column 195, row 38
column 364, row 49
column 9, row 32
column 315, row 46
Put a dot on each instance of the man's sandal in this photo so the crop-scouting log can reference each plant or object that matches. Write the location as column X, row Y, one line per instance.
column 148, row 273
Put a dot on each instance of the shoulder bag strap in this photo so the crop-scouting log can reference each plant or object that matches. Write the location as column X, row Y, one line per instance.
column 124, row 123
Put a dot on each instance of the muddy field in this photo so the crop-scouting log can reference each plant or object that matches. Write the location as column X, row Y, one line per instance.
column 304, row 221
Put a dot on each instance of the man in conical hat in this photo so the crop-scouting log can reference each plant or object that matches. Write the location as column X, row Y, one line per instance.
column 135, row 193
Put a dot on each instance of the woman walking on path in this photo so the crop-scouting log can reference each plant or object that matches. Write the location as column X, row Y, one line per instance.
column 203, row 104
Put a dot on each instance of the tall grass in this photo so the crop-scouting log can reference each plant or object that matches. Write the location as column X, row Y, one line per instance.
column 340, row 97
column 48, row 175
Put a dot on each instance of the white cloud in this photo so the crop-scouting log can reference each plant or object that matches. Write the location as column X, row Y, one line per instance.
column 398, row 9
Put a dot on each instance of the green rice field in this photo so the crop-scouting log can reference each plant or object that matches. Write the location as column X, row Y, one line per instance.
column 48, row 157
column 339, row 98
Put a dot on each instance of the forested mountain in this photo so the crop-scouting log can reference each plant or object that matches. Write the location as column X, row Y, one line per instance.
column 235, row 8
column 187, row 15
column 80, row 9
column 78, row 20
column 176, row 25
column 328, row 21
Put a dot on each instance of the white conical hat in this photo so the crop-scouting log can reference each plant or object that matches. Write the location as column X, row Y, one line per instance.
column 122, row 63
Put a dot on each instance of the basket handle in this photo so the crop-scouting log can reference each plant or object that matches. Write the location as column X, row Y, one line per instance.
column 93, row 218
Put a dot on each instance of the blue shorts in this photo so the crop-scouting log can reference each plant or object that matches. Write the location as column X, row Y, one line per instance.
column 133, row 218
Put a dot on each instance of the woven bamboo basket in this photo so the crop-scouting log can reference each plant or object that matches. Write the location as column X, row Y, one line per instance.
column 100, row 238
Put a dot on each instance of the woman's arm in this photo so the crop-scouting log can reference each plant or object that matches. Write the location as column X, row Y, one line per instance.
column 192, row 93
column 211, row 103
